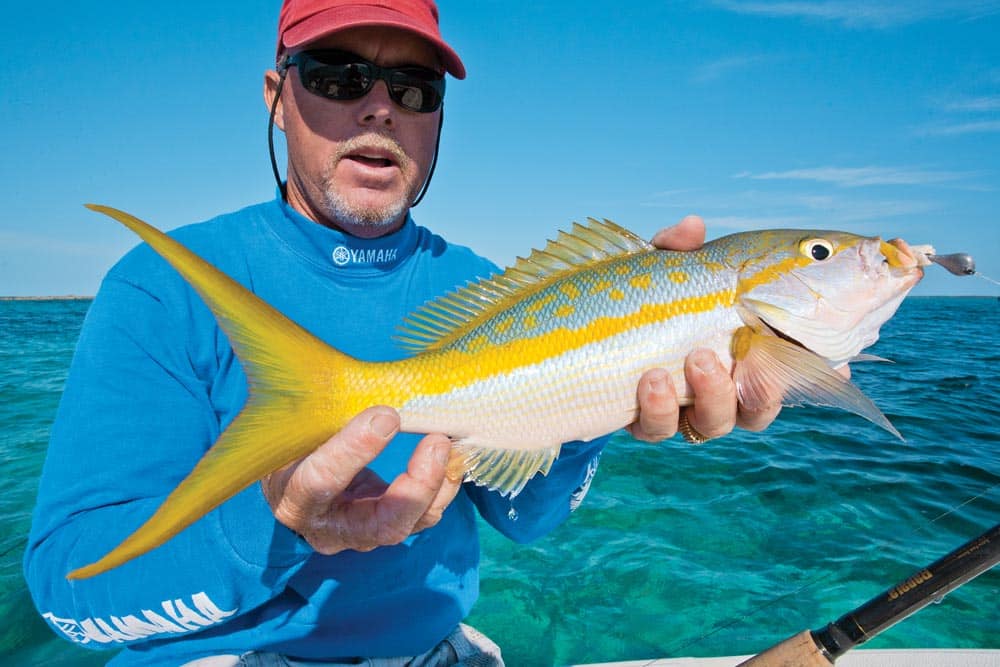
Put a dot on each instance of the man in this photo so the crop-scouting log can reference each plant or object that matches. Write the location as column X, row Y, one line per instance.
column 323, row 562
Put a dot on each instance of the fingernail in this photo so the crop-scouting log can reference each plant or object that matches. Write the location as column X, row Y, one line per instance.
column 382, row 425
column 441, row 452
column 658, row 385
column 705, row 361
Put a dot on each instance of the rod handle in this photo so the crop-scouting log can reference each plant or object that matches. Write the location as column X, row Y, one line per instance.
column 798, row 651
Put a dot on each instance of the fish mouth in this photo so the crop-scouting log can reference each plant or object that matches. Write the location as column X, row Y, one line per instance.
column 894, row 265
column 898, row 254
column 905, row 261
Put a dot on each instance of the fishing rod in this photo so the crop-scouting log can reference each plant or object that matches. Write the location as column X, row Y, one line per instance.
column 821, row 648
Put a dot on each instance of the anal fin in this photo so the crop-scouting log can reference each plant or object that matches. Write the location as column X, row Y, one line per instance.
column 498, row 469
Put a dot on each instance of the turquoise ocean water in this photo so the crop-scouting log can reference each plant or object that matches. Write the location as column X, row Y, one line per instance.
column 678, row 550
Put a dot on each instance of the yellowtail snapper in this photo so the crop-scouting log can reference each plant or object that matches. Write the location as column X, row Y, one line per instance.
column 549, row 351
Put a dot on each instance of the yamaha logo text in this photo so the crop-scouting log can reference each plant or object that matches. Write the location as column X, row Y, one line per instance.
column 342, row 255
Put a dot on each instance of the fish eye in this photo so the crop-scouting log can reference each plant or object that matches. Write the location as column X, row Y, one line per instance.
column 818, row 249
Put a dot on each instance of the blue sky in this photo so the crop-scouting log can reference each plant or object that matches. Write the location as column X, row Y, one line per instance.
column 870, row 116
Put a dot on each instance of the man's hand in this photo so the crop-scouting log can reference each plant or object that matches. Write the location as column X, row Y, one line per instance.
column 715, row 412
column 336, row 503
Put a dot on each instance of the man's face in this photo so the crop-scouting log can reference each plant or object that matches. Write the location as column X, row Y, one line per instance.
column 357, row 165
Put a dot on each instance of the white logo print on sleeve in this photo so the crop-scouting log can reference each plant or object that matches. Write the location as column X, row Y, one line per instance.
column 177, row 618
column 577, row 498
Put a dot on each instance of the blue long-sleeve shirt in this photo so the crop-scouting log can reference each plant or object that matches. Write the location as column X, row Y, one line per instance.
column 154, row 382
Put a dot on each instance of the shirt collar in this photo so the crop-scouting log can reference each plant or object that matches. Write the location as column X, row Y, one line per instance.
column 335, row 251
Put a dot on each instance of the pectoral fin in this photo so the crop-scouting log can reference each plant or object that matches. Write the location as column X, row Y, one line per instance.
column 770, row 369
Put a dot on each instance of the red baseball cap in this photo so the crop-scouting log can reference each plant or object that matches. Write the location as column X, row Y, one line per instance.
column 304, row 21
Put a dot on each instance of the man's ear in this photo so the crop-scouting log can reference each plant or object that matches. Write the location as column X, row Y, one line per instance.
column 271, row 79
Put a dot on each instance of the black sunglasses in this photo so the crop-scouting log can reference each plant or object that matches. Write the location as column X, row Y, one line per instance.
column 342, row 75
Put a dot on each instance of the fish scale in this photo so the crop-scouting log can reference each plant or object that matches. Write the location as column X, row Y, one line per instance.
column 600, row 346
column 548, row 352
column 610, row 290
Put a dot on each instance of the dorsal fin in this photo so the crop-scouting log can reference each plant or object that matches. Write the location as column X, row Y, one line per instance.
column 444, row 320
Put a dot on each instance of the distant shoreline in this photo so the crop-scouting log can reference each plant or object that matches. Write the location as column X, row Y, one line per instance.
column 77, row 297
column 67, row 297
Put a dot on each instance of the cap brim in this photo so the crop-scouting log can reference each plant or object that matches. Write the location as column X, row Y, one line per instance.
column 335, row 19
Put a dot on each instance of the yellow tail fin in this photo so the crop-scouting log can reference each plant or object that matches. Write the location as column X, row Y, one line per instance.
column 293, row 378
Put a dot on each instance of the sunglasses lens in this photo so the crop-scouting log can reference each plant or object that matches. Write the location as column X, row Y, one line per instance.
column 340, row 75
column 336, row 81
column 416, row 91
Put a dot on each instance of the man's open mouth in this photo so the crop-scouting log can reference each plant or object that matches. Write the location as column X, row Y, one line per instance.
column 371, row 160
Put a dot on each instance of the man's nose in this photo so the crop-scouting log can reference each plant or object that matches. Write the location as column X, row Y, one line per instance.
column 377, row 108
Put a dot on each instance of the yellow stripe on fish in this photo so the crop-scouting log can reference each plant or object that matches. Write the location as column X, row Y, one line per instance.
column 547, row 352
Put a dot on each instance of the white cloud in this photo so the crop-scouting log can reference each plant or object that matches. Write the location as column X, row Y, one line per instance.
column 958, row 129
column 964, row 115
column 26, row 242
column 850, row 212
column 860, row 176
column 844, row 211
column 877, row 14
column 718, row 69
column 664, row 197
column 749, row 223
column 841, row 214
column 973, row 104
column 776, row 208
